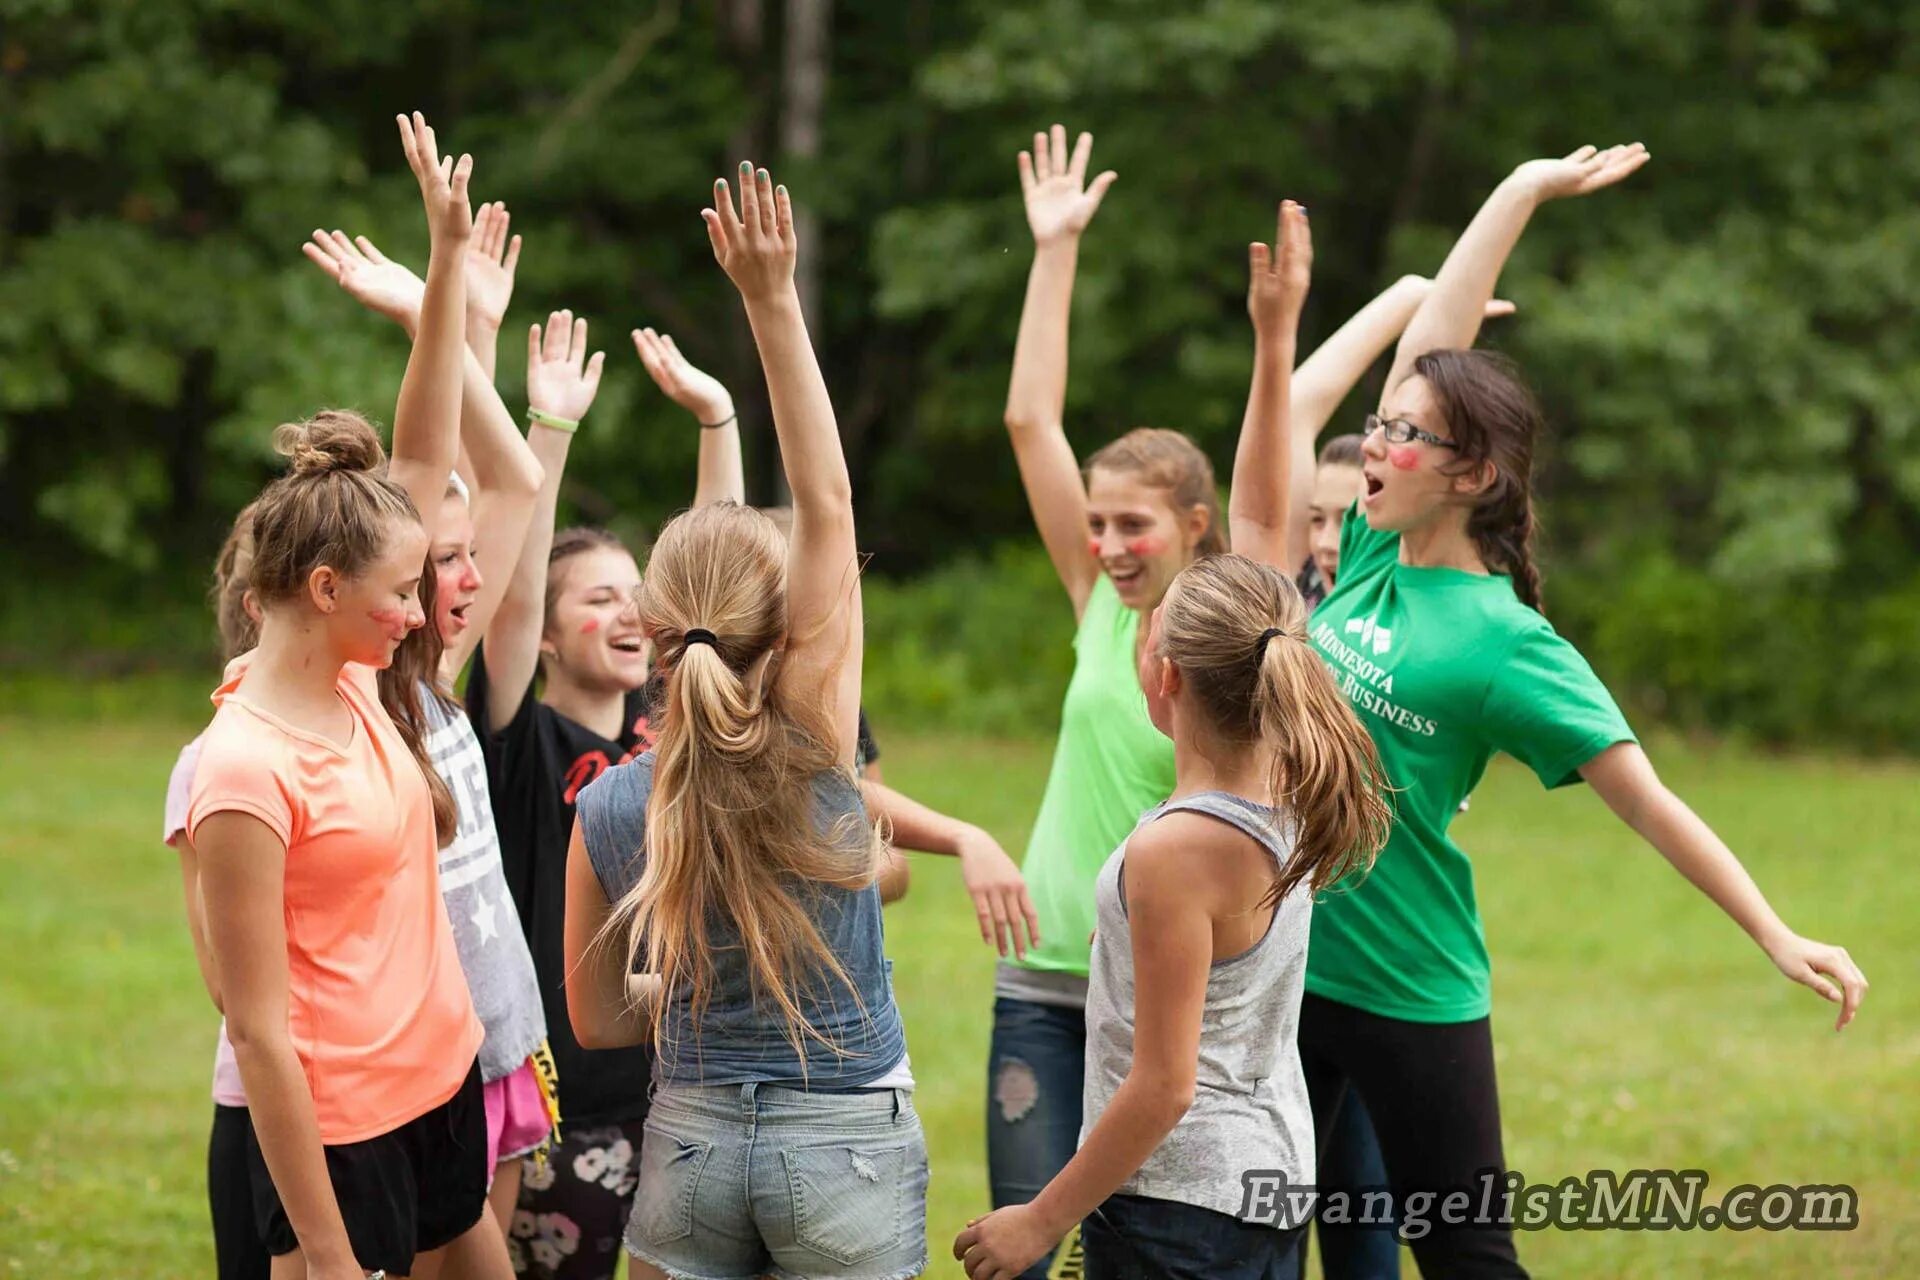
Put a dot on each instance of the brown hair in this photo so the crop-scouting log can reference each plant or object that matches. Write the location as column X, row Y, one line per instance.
column 232, row 579
column 1275, row 692
column 731, row 826
column 1168, row 460
column 405, row 685
column 1494, row 419
column 568, row 543
column 337, row 507
column 1342, row 451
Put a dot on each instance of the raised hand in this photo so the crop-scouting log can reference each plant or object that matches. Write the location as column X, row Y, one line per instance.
column 561, row 380
column 1060, row 203
column 1581, row 172
column 368, row 276
column 700, row 394
column 491, row 259
column 1278, row 277
column 443, row 182
column 757, row 247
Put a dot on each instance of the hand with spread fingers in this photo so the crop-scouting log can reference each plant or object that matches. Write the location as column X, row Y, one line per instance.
column 1060, row 202
column 1580, row 172
column 561, row 380
column 756, row 247
column 369, row 277
column 699, row 393
column 491, row 259
column 443, row 181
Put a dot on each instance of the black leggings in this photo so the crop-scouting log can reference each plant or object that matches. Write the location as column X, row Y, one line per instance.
column 1431, row 1091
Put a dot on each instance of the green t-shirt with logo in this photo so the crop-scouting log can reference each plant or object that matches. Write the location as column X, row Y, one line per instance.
column 1444, row 668
column 1110, row 765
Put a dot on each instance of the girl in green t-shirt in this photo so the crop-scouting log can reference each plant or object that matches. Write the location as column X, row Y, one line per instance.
column 1434, row 635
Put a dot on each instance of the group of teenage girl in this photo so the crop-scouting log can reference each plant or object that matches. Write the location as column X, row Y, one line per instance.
column 593, row 952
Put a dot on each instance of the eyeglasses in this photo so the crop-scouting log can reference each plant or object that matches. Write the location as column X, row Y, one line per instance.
column 1400, row 431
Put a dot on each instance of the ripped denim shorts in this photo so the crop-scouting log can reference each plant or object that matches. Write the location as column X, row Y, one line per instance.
column 747, row 1180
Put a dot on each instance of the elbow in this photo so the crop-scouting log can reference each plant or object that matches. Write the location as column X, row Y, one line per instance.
column 895, row 878
column 1022, row 421
column 527, row 476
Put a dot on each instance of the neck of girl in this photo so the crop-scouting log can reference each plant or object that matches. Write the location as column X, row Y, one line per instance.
column 601, row 711
column 1202, row 762
column 1442, row 543
column 294, row 670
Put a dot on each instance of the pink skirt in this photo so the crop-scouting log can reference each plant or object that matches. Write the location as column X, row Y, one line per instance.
column 517, row 1120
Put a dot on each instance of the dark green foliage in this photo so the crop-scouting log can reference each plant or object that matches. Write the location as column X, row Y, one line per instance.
column 1725, row 345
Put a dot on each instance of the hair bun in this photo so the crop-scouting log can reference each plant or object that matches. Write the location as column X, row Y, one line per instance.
column 332, row 440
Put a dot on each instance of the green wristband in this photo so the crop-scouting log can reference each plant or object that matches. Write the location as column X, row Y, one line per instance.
column 540, row 418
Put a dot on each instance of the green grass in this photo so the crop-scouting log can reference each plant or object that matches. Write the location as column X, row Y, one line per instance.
column 1635, row 1028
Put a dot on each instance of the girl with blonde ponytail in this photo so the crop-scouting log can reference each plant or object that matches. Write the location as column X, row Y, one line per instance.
column 1192, row 1070
column 734, row 866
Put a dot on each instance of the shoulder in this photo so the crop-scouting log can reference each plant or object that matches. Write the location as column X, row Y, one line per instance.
column 1174, row 849
column 243, row 765
column 615, row 803
column 180, row 790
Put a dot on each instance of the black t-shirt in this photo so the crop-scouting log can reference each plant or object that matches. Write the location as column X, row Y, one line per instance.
column 1313, row 587
column 536, row 766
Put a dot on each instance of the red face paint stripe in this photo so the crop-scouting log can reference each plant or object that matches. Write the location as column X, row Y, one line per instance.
column 590, row 626
column 1404, row 457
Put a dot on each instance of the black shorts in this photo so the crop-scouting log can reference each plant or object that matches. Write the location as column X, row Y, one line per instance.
column 410, row 1191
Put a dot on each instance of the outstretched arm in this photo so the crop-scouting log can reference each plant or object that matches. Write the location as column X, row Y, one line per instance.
column 426, row 422
column 721, row 476
column 1625, row 779
column 757, row 247
column 561, row 386
column 1450, row 317
column 1277, row 280
column 1000, row 903
column 1060, row 203
column 1322, row 382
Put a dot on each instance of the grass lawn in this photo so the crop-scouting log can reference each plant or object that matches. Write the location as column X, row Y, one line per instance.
column 1635, row 1027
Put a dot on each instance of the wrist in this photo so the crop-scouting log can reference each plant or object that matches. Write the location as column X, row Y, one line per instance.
column 779, row 301
column 1064, row 245
column 1053, row 1220
column 712, row 417
column 1520, row 186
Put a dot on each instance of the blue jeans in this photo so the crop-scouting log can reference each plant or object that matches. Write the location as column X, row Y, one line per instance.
column 1351, row 1159
column 754, row 1180
column 1035, row 1070
column 1137, row 1238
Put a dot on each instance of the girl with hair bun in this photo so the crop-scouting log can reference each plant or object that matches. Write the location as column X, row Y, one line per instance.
column 316, row 822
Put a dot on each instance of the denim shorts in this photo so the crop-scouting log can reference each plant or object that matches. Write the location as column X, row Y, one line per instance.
column 741, row 1181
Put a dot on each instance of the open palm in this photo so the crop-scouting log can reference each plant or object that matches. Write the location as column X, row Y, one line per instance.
column 1060, row 202
column 368, row 276
column 1581, row 172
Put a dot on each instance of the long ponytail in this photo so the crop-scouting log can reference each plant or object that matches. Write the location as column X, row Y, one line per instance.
column 732, row 833
column 1236, row 629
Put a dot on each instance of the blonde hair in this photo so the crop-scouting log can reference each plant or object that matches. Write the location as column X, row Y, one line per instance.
column 1167, row 460
column 337, row 507
column 232, row 579
column 1274, row 691
column 732, row 833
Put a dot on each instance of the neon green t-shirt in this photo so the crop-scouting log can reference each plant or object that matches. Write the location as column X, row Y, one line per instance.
column 1444, row 668
column 1110, row 765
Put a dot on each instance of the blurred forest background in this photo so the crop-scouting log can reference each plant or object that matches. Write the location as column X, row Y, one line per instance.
column 1726, row 344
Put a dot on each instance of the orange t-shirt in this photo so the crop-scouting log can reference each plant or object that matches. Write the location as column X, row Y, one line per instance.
column 377, row 1005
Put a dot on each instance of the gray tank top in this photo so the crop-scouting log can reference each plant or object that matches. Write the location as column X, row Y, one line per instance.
column 1250, row 1111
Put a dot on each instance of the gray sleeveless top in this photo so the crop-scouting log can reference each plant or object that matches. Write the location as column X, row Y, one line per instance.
column 1250, row 1111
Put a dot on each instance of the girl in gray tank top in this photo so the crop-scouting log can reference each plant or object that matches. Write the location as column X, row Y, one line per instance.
column 1195, row 1105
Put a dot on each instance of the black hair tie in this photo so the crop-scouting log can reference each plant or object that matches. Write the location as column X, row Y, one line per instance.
column 1260, row 649
column 698, row 635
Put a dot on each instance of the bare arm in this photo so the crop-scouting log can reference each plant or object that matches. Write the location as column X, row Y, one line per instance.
column 242, row 864
column 426, row 422
column 1625, row 779
column 492, row 259
column 607, row 1012
column 1000, row 903
column 757, row 248
column 196, row 915
column 1257, row 506
column 1172, row 937
column 721, row 476
column 1059, row 206
column 562, row 383
column 1451, row 314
